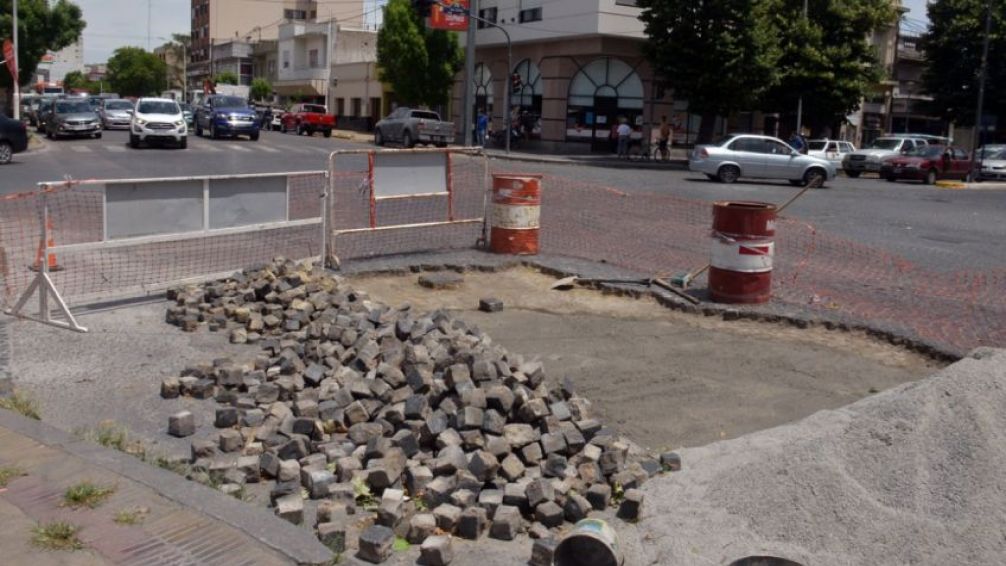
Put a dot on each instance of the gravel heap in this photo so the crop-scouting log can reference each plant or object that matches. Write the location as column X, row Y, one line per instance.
column 417, row 418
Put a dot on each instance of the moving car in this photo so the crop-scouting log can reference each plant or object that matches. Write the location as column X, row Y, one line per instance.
column 761, row 157
column 992, row 160
column 72, row 117
column 308, row 119
column 408, row 126
column 158, row 120
column 42, row 113
column 832, row 150
column 188, row 113
column 928, row 164
column 13, row 138
column 116, row 113
column 871, row 158
column 224, row 115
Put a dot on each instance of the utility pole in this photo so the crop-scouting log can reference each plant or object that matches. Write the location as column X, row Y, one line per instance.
column 467, row 106
column 148, row 25
column 976, row 136
column 800, row 102
column 17, row 67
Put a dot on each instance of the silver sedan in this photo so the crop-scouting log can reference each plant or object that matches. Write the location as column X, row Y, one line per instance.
column 116, row 113
column 759, row 157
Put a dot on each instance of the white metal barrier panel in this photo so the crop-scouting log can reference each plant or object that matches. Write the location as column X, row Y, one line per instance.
column 393, row 201
column 89, row 241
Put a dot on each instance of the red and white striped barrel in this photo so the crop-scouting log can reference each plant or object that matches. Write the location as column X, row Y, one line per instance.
column 742, row 248
column 516, row 214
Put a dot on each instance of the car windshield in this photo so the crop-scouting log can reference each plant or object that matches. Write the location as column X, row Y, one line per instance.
column 926, row 151
column 118, row 105
column 229, row 102
column 889, row 144
column 152, row 107
column 999, row 153
column 72, row 106
column 314, row 108
column 816, row 145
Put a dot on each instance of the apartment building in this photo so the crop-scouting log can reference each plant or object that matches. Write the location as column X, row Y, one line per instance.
column 237, row 23
column 576, row 70
column 57, row 64
column 910, row 103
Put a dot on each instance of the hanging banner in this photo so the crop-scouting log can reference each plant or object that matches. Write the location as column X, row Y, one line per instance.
column 450, row 15
column 11, row 57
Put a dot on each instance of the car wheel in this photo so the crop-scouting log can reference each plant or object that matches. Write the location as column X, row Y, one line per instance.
column 184, row 144
column 327, row 133
column 301, row 130
column 796, row 182
column 728, row 174
column 134, row 141
column 253, row 137
column 213, row 132
column 930, row 177
column 712, row 177
column 97, row 136
column 378, row 137
column 48, row 134
column 407, row 140
column 852, row 174
column 6, row 152
column 814, row 178
column 892, row 179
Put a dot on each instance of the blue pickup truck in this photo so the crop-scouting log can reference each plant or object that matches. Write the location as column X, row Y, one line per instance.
column 229, row 116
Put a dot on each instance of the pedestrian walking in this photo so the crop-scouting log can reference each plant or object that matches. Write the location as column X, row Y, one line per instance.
column 796, row 142
column 482, row 125
column 624, row 133
column 665, row 138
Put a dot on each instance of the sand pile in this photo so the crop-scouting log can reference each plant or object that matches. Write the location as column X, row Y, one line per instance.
column 914, row 475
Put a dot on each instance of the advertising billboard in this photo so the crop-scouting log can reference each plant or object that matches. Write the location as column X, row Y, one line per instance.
column 450, row 15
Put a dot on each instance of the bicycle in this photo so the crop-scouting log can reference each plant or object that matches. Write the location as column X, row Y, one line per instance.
column 656, row 155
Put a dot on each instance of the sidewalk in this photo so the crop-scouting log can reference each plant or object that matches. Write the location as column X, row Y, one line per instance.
column 181, row 522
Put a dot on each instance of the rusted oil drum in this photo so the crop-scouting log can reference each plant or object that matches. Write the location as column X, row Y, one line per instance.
column 516, row 214
column 742, row 248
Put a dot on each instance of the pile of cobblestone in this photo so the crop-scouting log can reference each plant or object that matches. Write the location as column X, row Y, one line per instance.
column 417, row 418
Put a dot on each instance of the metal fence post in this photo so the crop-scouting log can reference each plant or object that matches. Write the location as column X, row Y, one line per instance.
column 325, row 193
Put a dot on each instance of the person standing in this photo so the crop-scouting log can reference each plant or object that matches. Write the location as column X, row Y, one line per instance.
column 624, row 134
column 665, row 138
column 796, row 142
column 482, row 124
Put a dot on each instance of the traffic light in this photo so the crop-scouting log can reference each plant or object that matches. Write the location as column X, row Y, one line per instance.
column 515, row 83
column 422, row 7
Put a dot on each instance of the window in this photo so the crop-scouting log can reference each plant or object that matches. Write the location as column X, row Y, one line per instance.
column 312, row 58
column 530, row 15
column 357, row 107
column 340, row 106
column 749, row 145
column 271, row 67
column 626, row 2
column 314, row 14
column 286, row 59
column 776, row 148
column 295, row 14
column 425, row 115
column 488, row 14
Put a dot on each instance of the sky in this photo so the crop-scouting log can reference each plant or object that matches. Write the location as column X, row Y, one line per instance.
column 116, row 23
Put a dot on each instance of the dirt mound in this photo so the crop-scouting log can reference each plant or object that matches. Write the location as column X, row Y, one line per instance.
column 913, row 475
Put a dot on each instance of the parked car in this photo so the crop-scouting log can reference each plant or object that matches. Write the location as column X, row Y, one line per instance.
column 116, row 113
column 72, row 117
column 409, row 126
column 761, row 157
column 276, row 123
column 993, row 162
column 223, row 115
column 308, row 119
column 158, row 120
column 44, row 109
column 188, row 114
column 13, row 138
column 871, row 158
column 928, row 164
column 832, row 150
column 26, row 101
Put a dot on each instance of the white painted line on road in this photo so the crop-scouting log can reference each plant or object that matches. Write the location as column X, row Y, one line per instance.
column 116, row 149
column 80, row 149
column 208, row 148
column 239, row 148
column 267, row 149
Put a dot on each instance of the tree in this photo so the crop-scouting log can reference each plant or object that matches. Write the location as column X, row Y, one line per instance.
column 261, row 89
column 42, row 26
column 226, row 78
column 418, row 63
column 827, row 57
column 953, row 49
column 720, row 55
column 77, row 80
column 133, row 71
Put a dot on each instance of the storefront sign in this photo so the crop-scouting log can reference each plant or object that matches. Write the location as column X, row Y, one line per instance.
column 450, row 15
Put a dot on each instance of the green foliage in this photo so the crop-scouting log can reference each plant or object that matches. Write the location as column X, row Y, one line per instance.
column 418, row 63
column 826, row 57
column 21, row 403
column 226, row 78
column 261, row 89
column 135, row 72
column 86, row 494
column 8, row 473
column 953, row 48
column 364, row 497
column 400, row 545
column 131, row 516
column 57, row 535
column 41, row 27
column 719, row 55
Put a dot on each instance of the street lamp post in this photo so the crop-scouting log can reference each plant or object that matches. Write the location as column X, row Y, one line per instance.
column 17, row 67
column 799, row 102
column 976, row 136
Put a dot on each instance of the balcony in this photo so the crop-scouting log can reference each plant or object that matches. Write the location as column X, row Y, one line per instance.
column 303, row 74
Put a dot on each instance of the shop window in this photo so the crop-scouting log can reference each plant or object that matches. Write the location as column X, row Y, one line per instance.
column 530, row 15
column 340, row 106
column 526, row 96
column 603, row 93
column 357, row 107
column 488, row 14
column 483, row 82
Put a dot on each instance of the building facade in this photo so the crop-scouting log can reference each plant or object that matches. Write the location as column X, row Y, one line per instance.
column 67, row 60
column 910, row 104
column 172, row 55
column 576, row 71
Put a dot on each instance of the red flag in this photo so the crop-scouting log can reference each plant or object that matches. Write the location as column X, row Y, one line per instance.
column 11, row 57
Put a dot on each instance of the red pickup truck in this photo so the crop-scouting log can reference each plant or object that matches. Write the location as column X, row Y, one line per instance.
column 308, row 119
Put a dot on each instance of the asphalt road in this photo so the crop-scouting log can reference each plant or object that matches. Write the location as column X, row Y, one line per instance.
column 937, row 228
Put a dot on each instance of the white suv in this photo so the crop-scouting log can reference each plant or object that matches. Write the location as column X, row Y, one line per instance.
column 158, row 120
